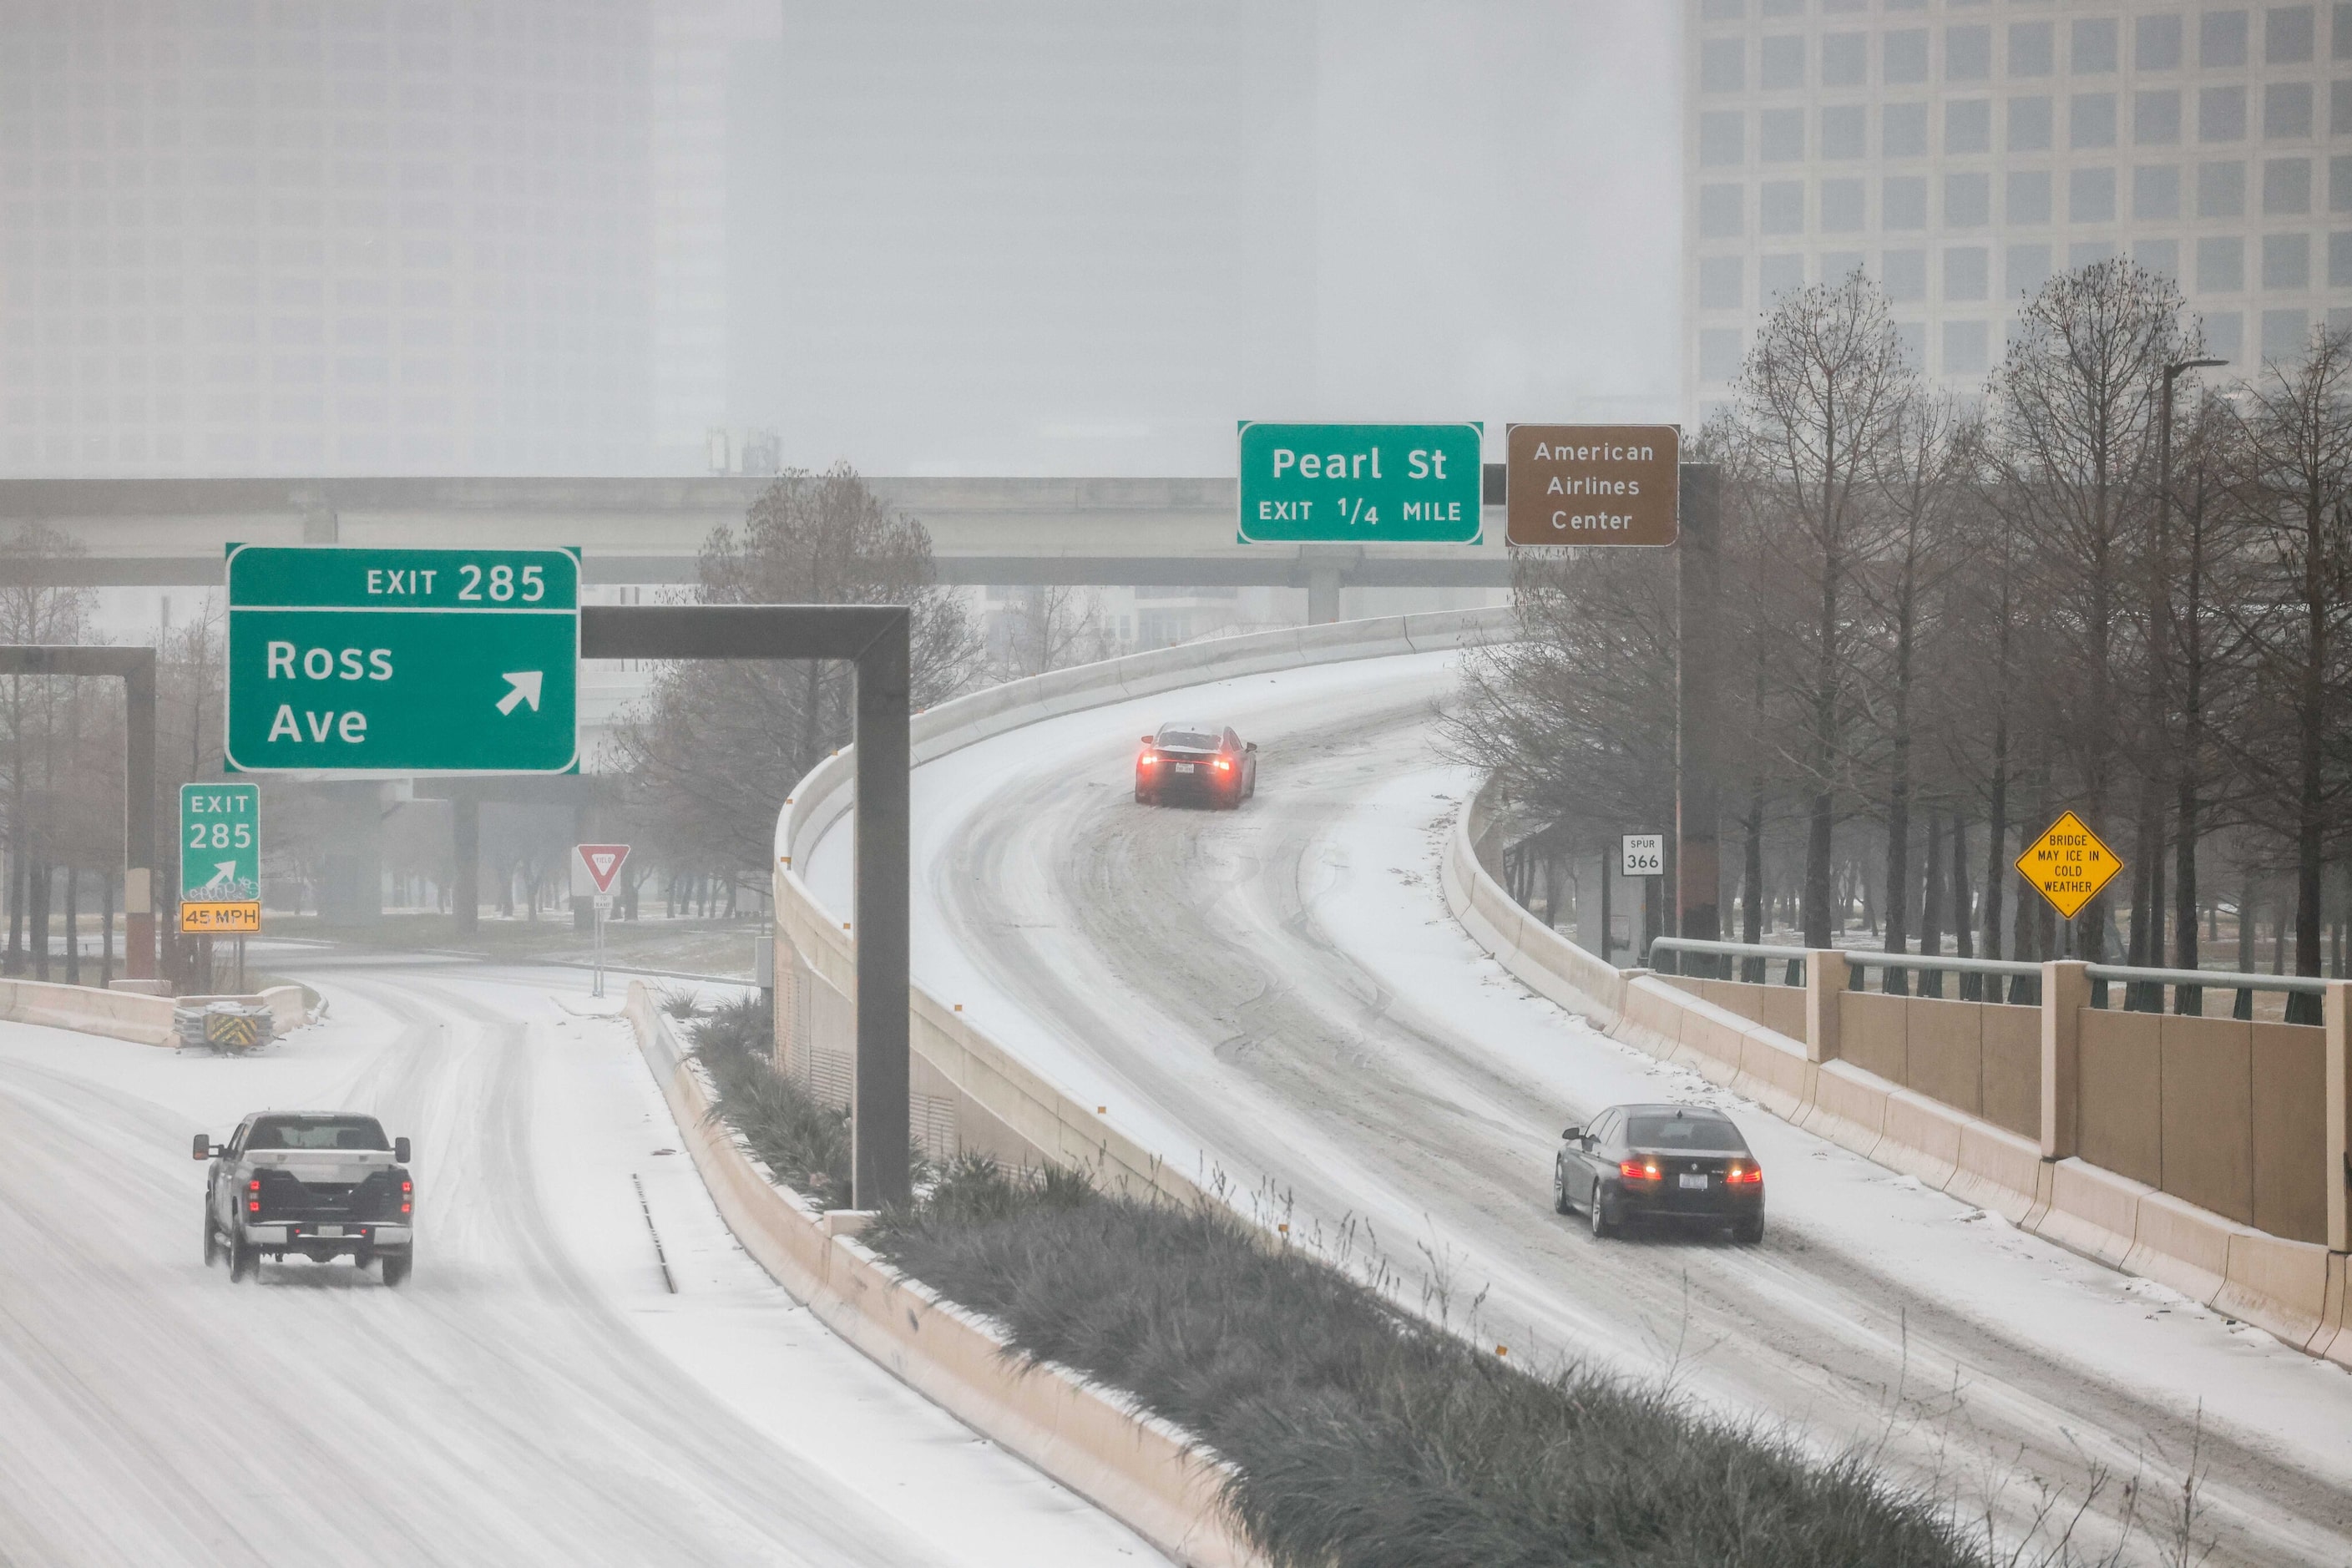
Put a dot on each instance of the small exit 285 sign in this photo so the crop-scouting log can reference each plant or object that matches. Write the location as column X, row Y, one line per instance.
column 220, row 858
column 382, row 662
column 1361, row 483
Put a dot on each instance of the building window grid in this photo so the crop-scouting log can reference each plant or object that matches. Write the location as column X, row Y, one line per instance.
column 2315, row 67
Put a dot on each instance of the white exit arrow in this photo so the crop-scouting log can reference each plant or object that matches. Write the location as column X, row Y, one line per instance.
column 223, row 871
column 526, row 683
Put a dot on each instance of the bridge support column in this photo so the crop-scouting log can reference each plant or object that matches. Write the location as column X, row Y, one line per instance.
column 1327, row 568
column 350, row 885
column 465, row 859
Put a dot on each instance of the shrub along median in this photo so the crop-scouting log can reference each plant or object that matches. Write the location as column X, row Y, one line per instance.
column 1358, row 1434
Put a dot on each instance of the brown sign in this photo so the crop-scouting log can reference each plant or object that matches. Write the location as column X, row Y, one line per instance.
column 1593, row 484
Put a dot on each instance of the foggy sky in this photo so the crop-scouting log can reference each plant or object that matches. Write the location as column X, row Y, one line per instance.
column 1043, row 237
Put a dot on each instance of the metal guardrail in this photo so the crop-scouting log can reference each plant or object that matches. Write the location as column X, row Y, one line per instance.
column 2137, row 982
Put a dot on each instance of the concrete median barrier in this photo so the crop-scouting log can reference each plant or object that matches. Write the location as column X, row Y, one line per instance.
column 1141, row 1471
column 121, row 1014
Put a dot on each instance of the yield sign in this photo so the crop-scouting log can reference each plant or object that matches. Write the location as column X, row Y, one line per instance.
column 2068, row 865
column 594, row 867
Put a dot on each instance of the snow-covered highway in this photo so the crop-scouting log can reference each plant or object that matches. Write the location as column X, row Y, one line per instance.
column 534, row 1395
column 1278, row 994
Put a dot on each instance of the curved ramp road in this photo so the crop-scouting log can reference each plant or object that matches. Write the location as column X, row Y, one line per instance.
column 534, row 1395
column 1279, row 993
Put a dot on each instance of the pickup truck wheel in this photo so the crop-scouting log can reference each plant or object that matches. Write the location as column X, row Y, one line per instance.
column 396, row 1266
column 243, row 1259
column 212, row 1243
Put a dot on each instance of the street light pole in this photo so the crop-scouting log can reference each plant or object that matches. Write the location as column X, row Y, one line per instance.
column 2143, row 996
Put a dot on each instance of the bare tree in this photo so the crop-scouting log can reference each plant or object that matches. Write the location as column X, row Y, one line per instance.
column 1049, row 626
column 1818, row 402
column 2288, row 739
column 2073, row 408
column 1923, row 484
column 715, row 745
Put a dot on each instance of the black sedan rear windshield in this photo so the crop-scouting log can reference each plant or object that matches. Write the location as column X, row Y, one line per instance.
column 1702, row 1133
column 1188, row 740
column 318, row 1133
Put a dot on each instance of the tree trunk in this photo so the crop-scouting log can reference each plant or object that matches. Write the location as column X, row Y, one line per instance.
column 73, row 925
column 1752, row 878
column 40, row 913
column 2147, row 948
column 1997, row 839
column 1931, row 906
column 1964, row 940
column 1898, row 859
column 1963, row 928
column 106, row 929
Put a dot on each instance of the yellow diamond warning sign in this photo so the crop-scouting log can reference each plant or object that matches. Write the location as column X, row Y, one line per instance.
column 2068, row 865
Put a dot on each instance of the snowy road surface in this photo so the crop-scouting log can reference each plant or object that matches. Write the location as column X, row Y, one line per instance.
column 1278, row 992
column 534, row 1395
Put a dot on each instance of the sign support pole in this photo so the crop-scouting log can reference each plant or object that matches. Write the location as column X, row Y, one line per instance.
column 875, row 638
column 1608, row 931
column 1698, row 685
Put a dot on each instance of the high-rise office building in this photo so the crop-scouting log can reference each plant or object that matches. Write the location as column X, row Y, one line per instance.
column 1959, row 151
column 325, row 238
column 1049, row 236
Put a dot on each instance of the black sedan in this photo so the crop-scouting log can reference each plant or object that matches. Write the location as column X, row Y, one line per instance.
column 1660, row 1162
column 1196, row 762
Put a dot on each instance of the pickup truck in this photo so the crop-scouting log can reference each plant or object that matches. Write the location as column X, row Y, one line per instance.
column 317, row 1184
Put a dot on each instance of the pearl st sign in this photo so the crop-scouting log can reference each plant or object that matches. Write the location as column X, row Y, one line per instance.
column 1360, row 483
column 358, row 661
column 1593, row 484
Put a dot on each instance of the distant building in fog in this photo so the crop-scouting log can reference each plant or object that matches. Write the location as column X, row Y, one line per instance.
column 1959, row 151
column 1062, row 232
column 326, row 238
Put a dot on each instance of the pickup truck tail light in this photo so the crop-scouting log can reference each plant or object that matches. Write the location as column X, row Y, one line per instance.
column 407, row 1193
column 253, row 1196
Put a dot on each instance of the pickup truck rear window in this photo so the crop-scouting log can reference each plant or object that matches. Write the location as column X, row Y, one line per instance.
column 318, row 1133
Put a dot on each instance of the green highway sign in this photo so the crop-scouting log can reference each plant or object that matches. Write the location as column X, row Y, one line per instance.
column 220, row 858
column 386, row 662
column 1419, row 484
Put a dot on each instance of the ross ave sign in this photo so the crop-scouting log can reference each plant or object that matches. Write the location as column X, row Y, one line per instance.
column 386, row 662
column 1361, row 483
column 220, row 858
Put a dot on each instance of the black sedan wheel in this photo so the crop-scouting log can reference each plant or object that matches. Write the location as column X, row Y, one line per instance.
column 1603, row 1226
column 1748, row 1231
column 1559, row 1188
